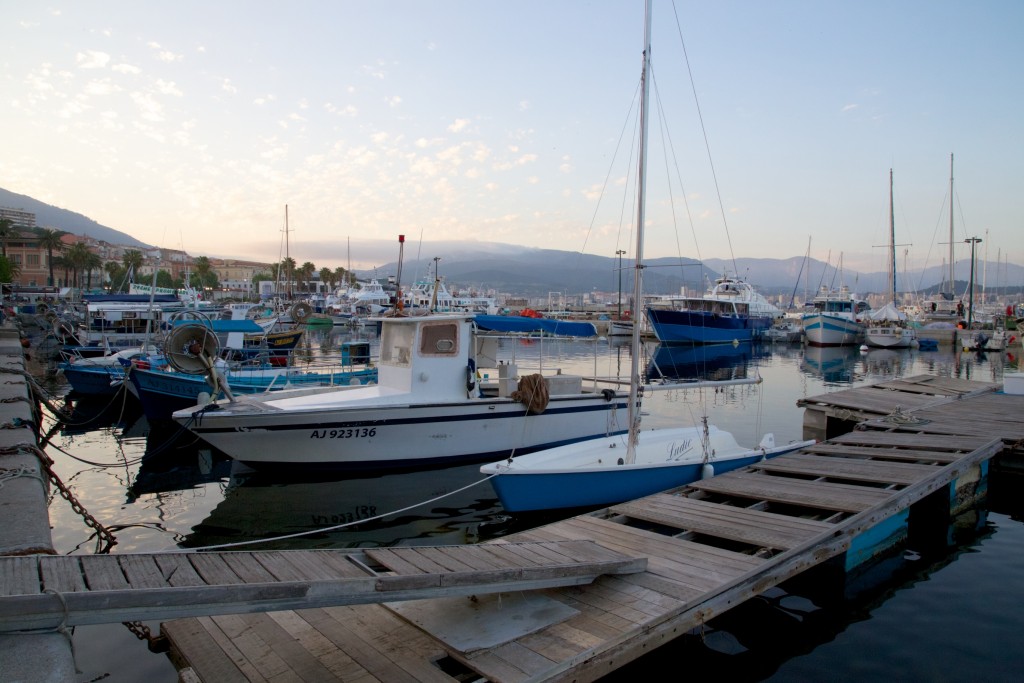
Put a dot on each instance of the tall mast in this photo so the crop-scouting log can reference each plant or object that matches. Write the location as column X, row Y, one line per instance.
column 287, row 255
column 634, row 372
column 892, row 245
column 952, row 288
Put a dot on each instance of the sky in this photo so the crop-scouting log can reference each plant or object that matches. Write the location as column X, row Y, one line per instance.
column 193, row 125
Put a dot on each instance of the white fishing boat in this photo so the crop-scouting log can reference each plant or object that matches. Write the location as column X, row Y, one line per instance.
column 836, row 318
column 785, row 330
column 888, row 327
column 430, row 406
column 618, row 468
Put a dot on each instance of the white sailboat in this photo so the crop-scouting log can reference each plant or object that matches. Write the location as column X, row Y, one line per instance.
column 617, row 468
column 888, row 327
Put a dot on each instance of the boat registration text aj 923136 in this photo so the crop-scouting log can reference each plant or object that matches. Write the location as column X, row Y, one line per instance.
column 345, row 433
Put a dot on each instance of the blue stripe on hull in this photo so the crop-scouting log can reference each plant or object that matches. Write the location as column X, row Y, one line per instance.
column 529, row 492
column 826, row 330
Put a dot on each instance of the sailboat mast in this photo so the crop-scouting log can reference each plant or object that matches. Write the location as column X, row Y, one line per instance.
column 287, row 255
column 892, row 245
column 634, row 371
column 952, row 287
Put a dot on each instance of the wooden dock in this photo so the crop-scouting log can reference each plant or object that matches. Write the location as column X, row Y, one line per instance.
column 837, row 412
column 48, row 591
column 708, row 547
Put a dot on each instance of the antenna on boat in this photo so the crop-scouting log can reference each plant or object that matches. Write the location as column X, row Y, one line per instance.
column 398, row 278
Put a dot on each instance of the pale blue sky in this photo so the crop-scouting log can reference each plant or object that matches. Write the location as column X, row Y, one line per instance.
column 192, row 124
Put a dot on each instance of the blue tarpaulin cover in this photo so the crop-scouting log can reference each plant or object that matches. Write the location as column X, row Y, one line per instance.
column 131, row 298
column 247, row 326
column 516, row 323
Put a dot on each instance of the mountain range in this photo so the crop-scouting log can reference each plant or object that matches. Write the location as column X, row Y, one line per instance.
column 533, row 272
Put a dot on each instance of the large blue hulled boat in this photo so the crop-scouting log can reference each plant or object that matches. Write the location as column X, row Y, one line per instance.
column 730, row 311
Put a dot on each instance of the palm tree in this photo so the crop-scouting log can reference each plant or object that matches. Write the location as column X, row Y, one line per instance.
column 49, row 239
column 287, row 271
column 132, row 260
column 9, row 270
column 114, row 272
column 90, row 263
column 63, row 264
column 306, row 273
column 342, row 276
column 203, row 271
column 6, row 232
column 78, row 257
column 327, row 277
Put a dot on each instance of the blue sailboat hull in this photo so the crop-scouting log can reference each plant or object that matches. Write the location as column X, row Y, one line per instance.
column 577, row 489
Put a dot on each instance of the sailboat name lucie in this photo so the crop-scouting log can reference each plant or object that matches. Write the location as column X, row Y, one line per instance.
column 679, row 450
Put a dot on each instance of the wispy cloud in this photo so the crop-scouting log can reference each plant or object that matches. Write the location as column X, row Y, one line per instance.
column 92, row 59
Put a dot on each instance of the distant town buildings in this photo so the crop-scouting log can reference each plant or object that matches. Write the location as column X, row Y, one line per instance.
column 23, row 248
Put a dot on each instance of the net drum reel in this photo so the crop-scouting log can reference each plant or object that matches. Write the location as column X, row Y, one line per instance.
column 300, row 312
column 193, row 348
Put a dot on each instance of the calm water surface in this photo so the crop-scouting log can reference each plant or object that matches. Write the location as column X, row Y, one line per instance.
column 951, row 615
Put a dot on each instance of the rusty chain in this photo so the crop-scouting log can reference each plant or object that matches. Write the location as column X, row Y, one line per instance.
column 102, row 532
column 142, row 632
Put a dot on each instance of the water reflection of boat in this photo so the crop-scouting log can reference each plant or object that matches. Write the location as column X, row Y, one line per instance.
column 89, row 413
column 831, row 363
column 261, row 506
column 175, row 470
column 886, row 361
column 704, row 361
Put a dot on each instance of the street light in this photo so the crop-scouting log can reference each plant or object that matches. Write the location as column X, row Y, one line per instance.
column 619, row 253
column 973, row 241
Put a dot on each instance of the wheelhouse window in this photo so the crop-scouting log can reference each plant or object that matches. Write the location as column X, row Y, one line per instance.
column 441, row 339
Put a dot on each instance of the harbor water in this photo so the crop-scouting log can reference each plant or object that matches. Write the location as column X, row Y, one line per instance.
column 932, row 615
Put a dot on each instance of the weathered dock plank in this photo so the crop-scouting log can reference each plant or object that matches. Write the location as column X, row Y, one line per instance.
column 168, row 585
column 758, row 528
column 847, row 468
column 822, row 495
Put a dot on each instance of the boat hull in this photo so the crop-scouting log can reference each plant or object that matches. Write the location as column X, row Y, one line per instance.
column 94, row 380
column 400, row 435
column 830, row 330
column 889, row 337
column 588, row 474
column 161, row 393
column 698, row 327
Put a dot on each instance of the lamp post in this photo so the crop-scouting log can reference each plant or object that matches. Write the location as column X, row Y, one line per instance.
column 619, row 253
column 973, row 241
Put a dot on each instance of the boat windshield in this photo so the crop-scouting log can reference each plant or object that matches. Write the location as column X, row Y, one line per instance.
column 396, row 342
